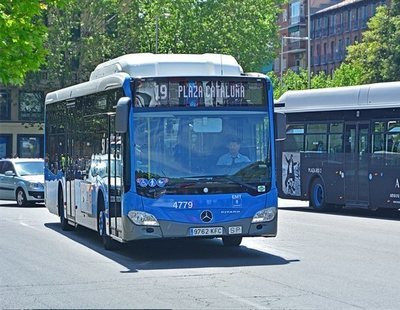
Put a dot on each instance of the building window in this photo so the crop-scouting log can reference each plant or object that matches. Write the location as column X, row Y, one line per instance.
column 30, row 146
column 5, row 145
column 295, row 13
column 31, row 106
column 5, row 105
column 332, row 24
column 284, row 16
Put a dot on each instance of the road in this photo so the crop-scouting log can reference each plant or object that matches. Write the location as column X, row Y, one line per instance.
column 346, row 260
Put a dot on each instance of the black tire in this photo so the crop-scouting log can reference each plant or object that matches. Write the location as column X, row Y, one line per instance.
column 65, row 226
column 232, row 240
column 318, row 196
column 108, row 243
column 21, row 198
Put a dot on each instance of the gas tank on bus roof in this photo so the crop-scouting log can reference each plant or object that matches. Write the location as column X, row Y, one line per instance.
column 155, row 65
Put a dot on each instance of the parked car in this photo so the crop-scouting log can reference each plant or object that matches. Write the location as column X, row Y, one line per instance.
column 22, row 180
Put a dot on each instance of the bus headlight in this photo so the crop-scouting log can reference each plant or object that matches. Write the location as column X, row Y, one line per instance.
column 143, row 218
column 264, row 215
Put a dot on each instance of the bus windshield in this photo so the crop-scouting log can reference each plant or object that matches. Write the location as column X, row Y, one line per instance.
column 202, row 153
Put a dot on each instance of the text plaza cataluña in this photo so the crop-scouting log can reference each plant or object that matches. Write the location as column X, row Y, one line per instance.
column 222, row 90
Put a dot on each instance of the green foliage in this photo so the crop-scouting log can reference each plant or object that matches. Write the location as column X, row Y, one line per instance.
column 290, row 81
column 109, row 28
column 378, row 55
column 80, row 36
column 321, row 80
column 22, row 37
column 345, row 75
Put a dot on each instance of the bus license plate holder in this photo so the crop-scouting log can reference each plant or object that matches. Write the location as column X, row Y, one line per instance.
column 235, row 230
column 206, row 231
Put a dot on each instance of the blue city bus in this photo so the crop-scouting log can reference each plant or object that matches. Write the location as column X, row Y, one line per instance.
column 134, row 153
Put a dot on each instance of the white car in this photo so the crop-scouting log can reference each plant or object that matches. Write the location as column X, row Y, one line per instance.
column 22, row 180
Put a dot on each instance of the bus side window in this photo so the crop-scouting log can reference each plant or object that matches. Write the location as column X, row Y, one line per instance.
column 320, row 146
column 291, row 144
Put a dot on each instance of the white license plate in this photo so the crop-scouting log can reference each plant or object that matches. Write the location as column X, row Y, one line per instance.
column 206, row 231
column 234, row 230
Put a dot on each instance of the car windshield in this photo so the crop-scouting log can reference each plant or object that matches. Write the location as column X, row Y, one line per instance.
column 29, row 168
column 202, row 153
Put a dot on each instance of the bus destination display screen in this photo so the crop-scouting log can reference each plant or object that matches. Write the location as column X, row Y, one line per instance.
column 208, row 93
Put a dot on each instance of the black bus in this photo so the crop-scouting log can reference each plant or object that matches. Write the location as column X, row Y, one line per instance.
column 342, row 146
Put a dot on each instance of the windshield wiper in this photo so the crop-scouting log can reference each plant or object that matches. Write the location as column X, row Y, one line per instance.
column 236, row 181
column 217, row 178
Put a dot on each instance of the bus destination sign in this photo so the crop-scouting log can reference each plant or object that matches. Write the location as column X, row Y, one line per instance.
column 199, row 93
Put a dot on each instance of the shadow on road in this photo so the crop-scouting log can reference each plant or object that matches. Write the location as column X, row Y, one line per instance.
column 381, row 214
column 173, row 253
column 10, row 204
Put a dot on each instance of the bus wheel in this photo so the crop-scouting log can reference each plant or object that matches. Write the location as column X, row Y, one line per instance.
column 317, row 195
column 232, row 240
column 108, row 243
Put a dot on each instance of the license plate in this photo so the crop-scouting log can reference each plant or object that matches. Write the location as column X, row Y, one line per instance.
column 234, row 230
column 206, row 231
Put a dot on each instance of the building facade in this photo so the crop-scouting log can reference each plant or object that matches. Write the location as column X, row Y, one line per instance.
column 22, row 121
column 334, row 25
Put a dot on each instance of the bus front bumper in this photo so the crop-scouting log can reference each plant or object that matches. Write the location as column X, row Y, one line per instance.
column 168, row 229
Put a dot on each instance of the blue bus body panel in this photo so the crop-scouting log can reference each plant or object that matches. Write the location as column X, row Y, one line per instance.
column 187, row 209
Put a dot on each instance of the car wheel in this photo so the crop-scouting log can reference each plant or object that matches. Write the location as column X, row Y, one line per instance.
column 232, row 240
column 21, row 198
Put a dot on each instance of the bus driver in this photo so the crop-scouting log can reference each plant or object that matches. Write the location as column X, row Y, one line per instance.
column 233, row 156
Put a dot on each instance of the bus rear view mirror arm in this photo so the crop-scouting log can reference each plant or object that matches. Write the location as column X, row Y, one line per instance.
column 121, row 119
column 280, row 126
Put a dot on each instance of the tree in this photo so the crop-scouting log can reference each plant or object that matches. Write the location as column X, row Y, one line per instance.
column 109, row 28
column 22, row 36
column 378, row 55
column 79, row 38
column 347, row 75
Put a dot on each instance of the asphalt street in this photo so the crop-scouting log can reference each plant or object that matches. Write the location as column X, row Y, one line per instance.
column 342, row 260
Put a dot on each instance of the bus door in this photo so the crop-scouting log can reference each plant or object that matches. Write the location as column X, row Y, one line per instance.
column 115, row 186
column 67, row 162
column 356, row 163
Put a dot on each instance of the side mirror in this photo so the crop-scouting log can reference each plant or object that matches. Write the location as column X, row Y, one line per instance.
column 9, row 173
column 280, row 126
column 122, row 115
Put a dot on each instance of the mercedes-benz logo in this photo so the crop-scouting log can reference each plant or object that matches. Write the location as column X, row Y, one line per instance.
column 206, row 216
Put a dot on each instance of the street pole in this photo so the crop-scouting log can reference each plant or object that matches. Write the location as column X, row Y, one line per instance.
column 281, row 63
column 309, row 44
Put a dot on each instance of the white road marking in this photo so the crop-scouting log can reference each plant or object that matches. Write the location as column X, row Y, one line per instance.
column 243, row 300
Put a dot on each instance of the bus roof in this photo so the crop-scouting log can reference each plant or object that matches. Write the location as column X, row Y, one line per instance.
column 158, row 65
column 112, row 73
column 370, row 96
